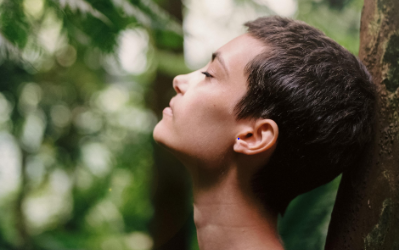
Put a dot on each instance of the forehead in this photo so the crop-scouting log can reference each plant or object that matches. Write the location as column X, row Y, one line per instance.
column 240, row 51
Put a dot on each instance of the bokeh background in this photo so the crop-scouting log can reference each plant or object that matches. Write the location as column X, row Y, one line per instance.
column 82, row 85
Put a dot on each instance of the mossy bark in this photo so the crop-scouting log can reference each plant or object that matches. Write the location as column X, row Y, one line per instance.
column 366, row 212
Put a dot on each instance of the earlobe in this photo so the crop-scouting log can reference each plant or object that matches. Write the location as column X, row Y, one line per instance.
column 260, row 137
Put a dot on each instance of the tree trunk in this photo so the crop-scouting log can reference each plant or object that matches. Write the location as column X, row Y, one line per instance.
column 366, row 212
column 172, row 220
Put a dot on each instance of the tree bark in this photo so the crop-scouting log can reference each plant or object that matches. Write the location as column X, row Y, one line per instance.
column 366, row 212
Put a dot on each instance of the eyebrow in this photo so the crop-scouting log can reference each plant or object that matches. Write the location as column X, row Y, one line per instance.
column 217, row 56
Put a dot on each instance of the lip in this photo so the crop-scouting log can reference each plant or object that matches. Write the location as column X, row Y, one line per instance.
column 168, row 111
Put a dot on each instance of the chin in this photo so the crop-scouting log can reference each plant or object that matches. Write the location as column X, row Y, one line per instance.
column 161, row 135
column 162, row 138
column 157, row 133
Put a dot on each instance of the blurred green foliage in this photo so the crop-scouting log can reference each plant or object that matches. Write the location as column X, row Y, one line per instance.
column 77, row 123
column 76, row 131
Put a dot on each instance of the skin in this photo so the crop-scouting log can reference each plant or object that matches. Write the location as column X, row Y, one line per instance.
column 201, row 131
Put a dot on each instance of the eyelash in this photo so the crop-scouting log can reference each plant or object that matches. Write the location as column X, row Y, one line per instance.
column 206, row 74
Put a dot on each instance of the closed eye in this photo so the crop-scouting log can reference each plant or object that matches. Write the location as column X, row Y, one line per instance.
column 206, row 74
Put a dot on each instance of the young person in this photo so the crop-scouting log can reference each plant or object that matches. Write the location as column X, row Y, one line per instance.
column 277, row 112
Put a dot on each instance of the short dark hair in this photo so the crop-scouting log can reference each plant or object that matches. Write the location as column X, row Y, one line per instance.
column 322, row 99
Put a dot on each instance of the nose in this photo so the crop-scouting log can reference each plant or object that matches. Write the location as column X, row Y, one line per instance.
column 180, row 84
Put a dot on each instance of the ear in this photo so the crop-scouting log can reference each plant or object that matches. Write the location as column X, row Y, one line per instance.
column 256, row 138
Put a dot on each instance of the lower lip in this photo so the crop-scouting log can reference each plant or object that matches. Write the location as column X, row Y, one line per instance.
column 168, row 111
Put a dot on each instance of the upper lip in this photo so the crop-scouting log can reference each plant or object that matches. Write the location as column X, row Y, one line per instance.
column 170, row 104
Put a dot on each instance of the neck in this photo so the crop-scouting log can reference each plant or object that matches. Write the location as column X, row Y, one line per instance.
column 227, row 216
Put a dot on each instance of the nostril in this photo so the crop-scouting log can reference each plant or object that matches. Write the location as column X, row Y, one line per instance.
column 180, row 83
column 178, row 90
column 176, row 82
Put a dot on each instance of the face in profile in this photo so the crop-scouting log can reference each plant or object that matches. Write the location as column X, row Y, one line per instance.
column 200, row 125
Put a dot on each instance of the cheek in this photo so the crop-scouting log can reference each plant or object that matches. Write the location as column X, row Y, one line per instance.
column 204, row 112
column 205, row 126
